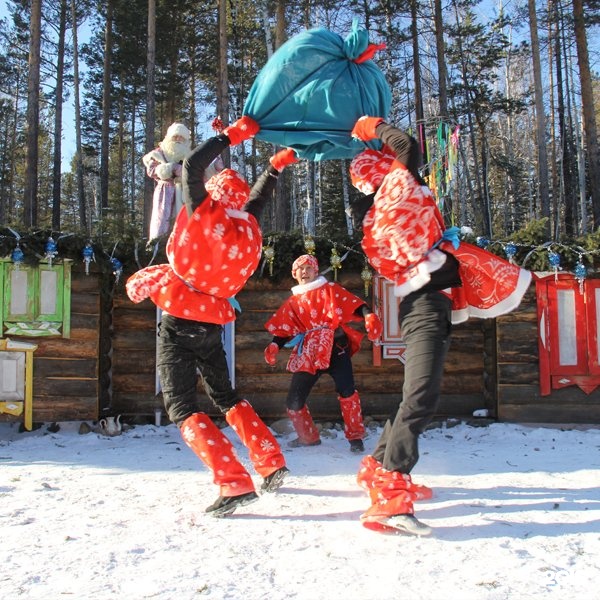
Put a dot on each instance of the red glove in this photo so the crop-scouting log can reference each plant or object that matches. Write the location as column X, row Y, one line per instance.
column 364, row 128
column 373, row 326
column 243, row 129
column 271, row 352
column 283, row 158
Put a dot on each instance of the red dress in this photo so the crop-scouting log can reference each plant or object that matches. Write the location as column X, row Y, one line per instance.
column 313, row 312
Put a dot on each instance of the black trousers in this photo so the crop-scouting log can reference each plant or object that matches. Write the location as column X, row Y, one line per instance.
column 186, row 349
column 425, row 324
column 340, row 370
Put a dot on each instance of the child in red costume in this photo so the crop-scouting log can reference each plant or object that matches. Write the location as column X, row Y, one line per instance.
column 440, row 280
column 214, row 248
column 314, row 322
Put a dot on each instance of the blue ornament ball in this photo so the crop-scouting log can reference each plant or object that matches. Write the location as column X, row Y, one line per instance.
column 554, row 259
column 510, row 249
column 17, row 255
column 482, row 241
column 580, row 270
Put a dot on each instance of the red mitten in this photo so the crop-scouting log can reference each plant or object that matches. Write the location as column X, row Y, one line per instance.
column 271, row 352
column 373, row 326
column 283, row 158
column 243, row 129
column 364, row 128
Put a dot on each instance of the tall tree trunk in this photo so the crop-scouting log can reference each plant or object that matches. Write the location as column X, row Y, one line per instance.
column 441, row 58
column 282, row 202
column 105, row 142
column 33, row 116
column 481, row 209
column 76, row 101
column 150, row 107
column 222, row 77
column 589, row 117
column 542, row 155
column 562, row 197
column 60, row 66
column 119, row 201
column 554, row 175
column 280, row 24
column 419, row 114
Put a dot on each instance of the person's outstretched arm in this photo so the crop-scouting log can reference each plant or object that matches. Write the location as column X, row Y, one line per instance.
column 404, row 146
column 195, row 164
column 262, row 190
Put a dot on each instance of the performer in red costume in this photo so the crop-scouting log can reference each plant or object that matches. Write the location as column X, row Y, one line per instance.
column 314, row 322
column 440, row 280
column 215, row 246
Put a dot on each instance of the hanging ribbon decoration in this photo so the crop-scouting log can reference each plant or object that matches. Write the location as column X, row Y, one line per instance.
column 554, row 260
column 17, row 257
column 580, row 273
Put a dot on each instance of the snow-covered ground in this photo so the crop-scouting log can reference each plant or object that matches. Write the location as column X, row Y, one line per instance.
column 515, row 512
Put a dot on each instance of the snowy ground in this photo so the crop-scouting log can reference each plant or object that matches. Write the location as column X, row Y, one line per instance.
column 515, row 512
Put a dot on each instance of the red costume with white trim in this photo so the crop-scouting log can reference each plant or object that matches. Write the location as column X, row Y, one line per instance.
column 402, row 233
column 316, row 309
column 211, row 256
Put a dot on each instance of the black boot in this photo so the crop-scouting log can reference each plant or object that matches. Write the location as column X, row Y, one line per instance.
column 357, row 446
column 274, row 481
column 223, row 506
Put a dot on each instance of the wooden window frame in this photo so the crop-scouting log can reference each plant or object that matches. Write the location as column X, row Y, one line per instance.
column 386, row 305
column 33, row 322
column 584, row 370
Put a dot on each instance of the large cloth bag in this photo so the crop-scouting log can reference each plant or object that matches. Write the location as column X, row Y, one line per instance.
column 313, row 89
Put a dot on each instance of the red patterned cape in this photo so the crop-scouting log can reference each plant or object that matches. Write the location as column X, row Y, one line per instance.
column 211, row 256
column 316, row 309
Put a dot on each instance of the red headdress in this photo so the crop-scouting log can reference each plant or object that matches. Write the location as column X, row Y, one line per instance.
column 229, row 188
column 368, row 169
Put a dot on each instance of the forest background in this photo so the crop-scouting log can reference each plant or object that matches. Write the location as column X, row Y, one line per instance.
column 503, row 96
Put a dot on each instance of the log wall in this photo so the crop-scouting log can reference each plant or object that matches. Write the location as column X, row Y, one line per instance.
column 70, row 378
column 108, row 364
column 266, row 387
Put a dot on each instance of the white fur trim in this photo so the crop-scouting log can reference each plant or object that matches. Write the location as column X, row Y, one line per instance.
column 422, row 274
column 164, row 171
column 155, row 155
column 178, row 129
column 307, row 287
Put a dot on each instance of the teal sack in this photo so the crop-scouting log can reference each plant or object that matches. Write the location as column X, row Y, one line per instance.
column 310, row 94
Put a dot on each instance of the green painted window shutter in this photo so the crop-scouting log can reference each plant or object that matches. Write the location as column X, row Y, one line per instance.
column 36, row 300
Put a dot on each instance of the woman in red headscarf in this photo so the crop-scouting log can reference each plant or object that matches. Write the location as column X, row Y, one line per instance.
column 215, row 246
column 440, row 280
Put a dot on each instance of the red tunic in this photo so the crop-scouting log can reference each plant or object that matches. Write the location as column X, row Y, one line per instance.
column 400, row 231
column 316, row 309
